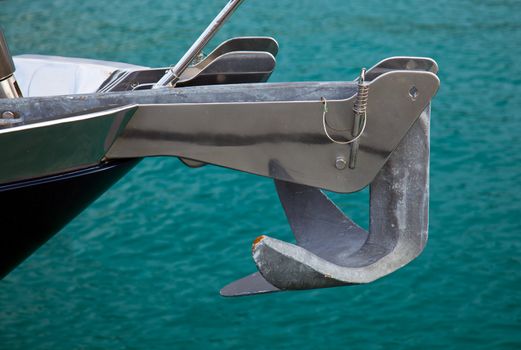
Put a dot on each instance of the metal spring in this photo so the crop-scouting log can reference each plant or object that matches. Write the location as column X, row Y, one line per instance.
column 362, row 97
column 360, row 109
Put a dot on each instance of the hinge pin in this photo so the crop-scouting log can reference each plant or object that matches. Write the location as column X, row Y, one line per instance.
column 360, row 119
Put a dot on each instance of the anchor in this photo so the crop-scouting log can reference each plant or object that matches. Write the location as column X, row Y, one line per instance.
column 331, row 250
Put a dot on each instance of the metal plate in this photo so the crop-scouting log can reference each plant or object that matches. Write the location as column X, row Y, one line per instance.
column 251, row 136
column 238, row 60
column 247, row 43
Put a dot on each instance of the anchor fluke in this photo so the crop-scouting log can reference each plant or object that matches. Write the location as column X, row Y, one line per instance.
column 249, row 285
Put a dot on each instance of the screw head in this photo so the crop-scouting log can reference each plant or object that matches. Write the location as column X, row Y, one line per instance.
column 413, row 93
column 341, row 163
column 8, row 115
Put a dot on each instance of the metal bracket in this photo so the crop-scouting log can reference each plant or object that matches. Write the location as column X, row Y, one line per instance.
column 250, row 136
column 246, row 128
column 238, row 60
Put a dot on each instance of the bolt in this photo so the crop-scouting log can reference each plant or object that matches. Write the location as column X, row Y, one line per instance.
column 413, row 93
column 341, row 163
column 8, row 115
column 411, row 65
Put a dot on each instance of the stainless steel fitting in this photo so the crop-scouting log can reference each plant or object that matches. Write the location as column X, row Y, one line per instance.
column 8, row 86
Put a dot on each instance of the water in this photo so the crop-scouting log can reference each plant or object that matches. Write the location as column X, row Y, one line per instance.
column 141, row 268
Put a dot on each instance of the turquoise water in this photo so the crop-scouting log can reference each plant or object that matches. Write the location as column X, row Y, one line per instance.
column 141, row 268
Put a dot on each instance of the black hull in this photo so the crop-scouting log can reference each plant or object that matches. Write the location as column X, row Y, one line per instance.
column 31, row 212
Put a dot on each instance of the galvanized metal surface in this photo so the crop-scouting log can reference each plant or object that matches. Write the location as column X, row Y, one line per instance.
column 331, row 250
column 40, row 109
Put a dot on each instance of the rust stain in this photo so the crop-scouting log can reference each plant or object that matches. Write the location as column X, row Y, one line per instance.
column 257, row 241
